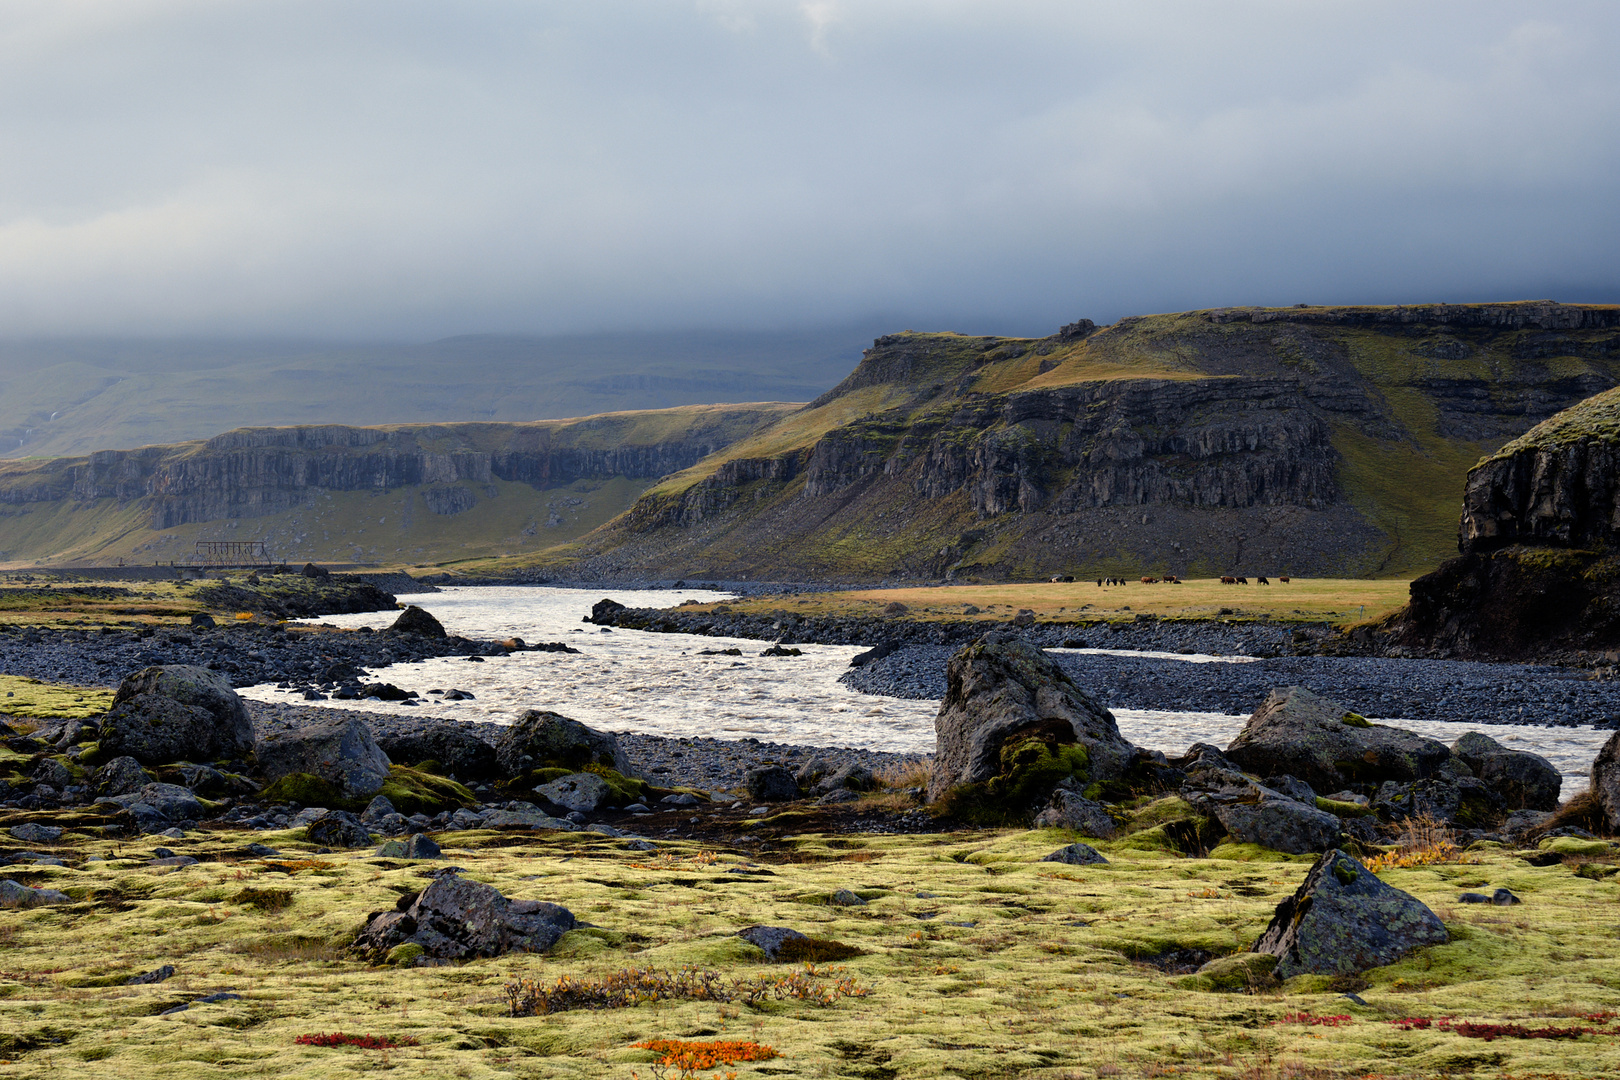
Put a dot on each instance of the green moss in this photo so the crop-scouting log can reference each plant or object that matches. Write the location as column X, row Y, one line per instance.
column 405, row 955
column 625, row 789
column 1574, row 845
column 1351, row 719
column 1254, row 853
column 411, row 792
column 1030, row 769
column 1240, row 972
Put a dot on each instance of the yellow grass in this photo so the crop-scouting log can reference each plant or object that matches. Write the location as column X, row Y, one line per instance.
column 1334, row 600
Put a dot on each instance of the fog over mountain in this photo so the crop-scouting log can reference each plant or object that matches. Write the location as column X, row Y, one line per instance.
column 370, row 170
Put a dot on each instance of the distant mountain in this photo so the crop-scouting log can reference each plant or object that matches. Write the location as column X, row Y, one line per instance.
column 406, row 493
column 1311, row 440
column 60, row 398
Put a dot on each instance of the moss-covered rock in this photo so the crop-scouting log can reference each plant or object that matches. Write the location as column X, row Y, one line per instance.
column 411, row 792
column 1240, row 972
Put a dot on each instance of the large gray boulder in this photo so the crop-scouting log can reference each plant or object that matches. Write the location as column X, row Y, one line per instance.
column 1523, row 781
column 585, row 792
column 456, row 919
column 1329, row 747
column 771, row 783
column 1606, row 781
column 1343, row 920
column 176, row 713
column 549, row 740
column 338, row 829
column 339, row 751
column 1252, row 813
column 460, row 753
column 414, row 620
column 1002, row 689
column 1462, row 801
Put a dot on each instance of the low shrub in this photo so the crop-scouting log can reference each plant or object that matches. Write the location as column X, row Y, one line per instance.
column 633, row 986
column 364, row 1042
column 1489, row 1032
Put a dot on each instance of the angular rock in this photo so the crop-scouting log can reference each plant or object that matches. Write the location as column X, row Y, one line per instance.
column 52, row 772
column 1071, row 810
column 847, row 898
column 1001, row 689
column 585, row 792
column 413, row 620
column 420, row 847
column 1523, row 781
column 339, row 751
column 171, row 801
column 15, row 895
column 1605, row 785
column 1461, row 801
column 456, row 919
column 378, row 808
column 549, row 740
column 839, row 795
column 459, row 753
column 1075, row 855
column 771, row 783
column 34, row 833
column 1293, row 787
column 156, row 975
column 770, row 938
column 338, row 830
column 529, row 817
column 1343, row 920
column 1329, row 747
column 1255, row 814
column 177, row 713
column 851, row 777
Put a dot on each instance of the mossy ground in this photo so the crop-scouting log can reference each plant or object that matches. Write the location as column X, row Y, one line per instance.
column 1007, row 967
column 36, row 700
column 1333, row 600
column 25, row 600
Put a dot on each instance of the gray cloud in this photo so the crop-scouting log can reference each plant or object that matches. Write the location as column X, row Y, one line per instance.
column 416, row 169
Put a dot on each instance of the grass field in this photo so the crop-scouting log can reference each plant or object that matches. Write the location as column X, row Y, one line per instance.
column 1336, row 600
column 36, row 700
column 979, row 961
column 26, row 600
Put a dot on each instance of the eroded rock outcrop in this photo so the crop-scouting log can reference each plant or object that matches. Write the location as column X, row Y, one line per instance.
column 1015, row 723
column 457, row 919
column 1328, row 746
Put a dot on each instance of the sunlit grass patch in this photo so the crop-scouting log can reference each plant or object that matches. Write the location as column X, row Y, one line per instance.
column 22, row 696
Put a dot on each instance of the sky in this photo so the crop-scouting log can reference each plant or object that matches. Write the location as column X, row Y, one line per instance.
column 410, row 169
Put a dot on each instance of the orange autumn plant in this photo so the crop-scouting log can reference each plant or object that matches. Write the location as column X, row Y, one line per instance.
column 689, row 1057
column 1424, row 841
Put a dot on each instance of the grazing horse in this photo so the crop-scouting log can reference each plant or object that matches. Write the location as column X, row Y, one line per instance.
column 1242, row 581
column 1228, row 581
column 1283, row 580
column 1150, row 581
column 1262, row 581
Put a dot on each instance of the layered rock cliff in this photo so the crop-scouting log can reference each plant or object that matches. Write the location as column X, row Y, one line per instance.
column 256, row 473
column 1311, row 440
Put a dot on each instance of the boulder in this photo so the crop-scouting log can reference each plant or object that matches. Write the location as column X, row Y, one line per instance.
column 1075, row 855
column 417, row 847
column 16, row 895
column 771, row 783
column 604, row 610
column 1003, row 694
column 35, row 833
column 456, row 919
column 1071, row 810
column 52, row 772
column 413, row 620
column 526, row 815
column 338, row 829
column 770, row 938
column 1606, row 781
column 310, row 570
column 1343, row 920
column 459, row 753
column 1522, row 780
column 1293, row 787
column 1456, row 800
column 852, row 776
column 168, row 801
column 549, row 740
column 584, row 792
column 377, row 809
column 1252, row 813
column 1329, row 747
column 176, row 713
column 339, row 751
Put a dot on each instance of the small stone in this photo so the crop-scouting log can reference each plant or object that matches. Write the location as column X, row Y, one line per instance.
column 262, row 850
column 1075, row 855
column 173, row 834
column 839, row 795
column 420, row 847
column 638, row 844
column 638, row 808
column 846, row 898
column 770, row 938
column 680, row 798
column 14, row 894
column 605, row 830
column 32, row 833
column 156, row 975
column 1504, row 898
column 162, row 853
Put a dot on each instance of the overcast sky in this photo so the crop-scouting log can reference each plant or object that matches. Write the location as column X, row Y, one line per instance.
column 407, row 168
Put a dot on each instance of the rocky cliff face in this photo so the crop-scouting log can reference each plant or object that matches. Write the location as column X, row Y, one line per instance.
column 257, row 471
column 1315, row 440
column 1558, row 484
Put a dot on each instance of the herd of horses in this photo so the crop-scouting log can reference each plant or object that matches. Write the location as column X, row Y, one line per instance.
column 1171, row 579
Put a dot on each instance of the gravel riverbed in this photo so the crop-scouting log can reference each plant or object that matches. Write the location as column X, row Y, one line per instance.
column 1445, row 690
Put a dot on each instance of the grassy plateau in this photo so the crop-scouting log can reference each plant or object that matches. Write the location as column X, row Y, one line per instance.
column 1332, row 600
column 969, row 958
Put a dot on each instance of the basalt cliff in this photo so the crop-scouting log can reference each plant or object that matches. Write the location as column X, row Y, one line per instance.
column 1539, row 573
column 403, row 493
column 1307, row 440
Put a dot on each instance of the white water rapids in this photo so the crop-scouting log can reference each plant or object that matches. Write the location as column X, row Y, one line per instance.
column 628, row 680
